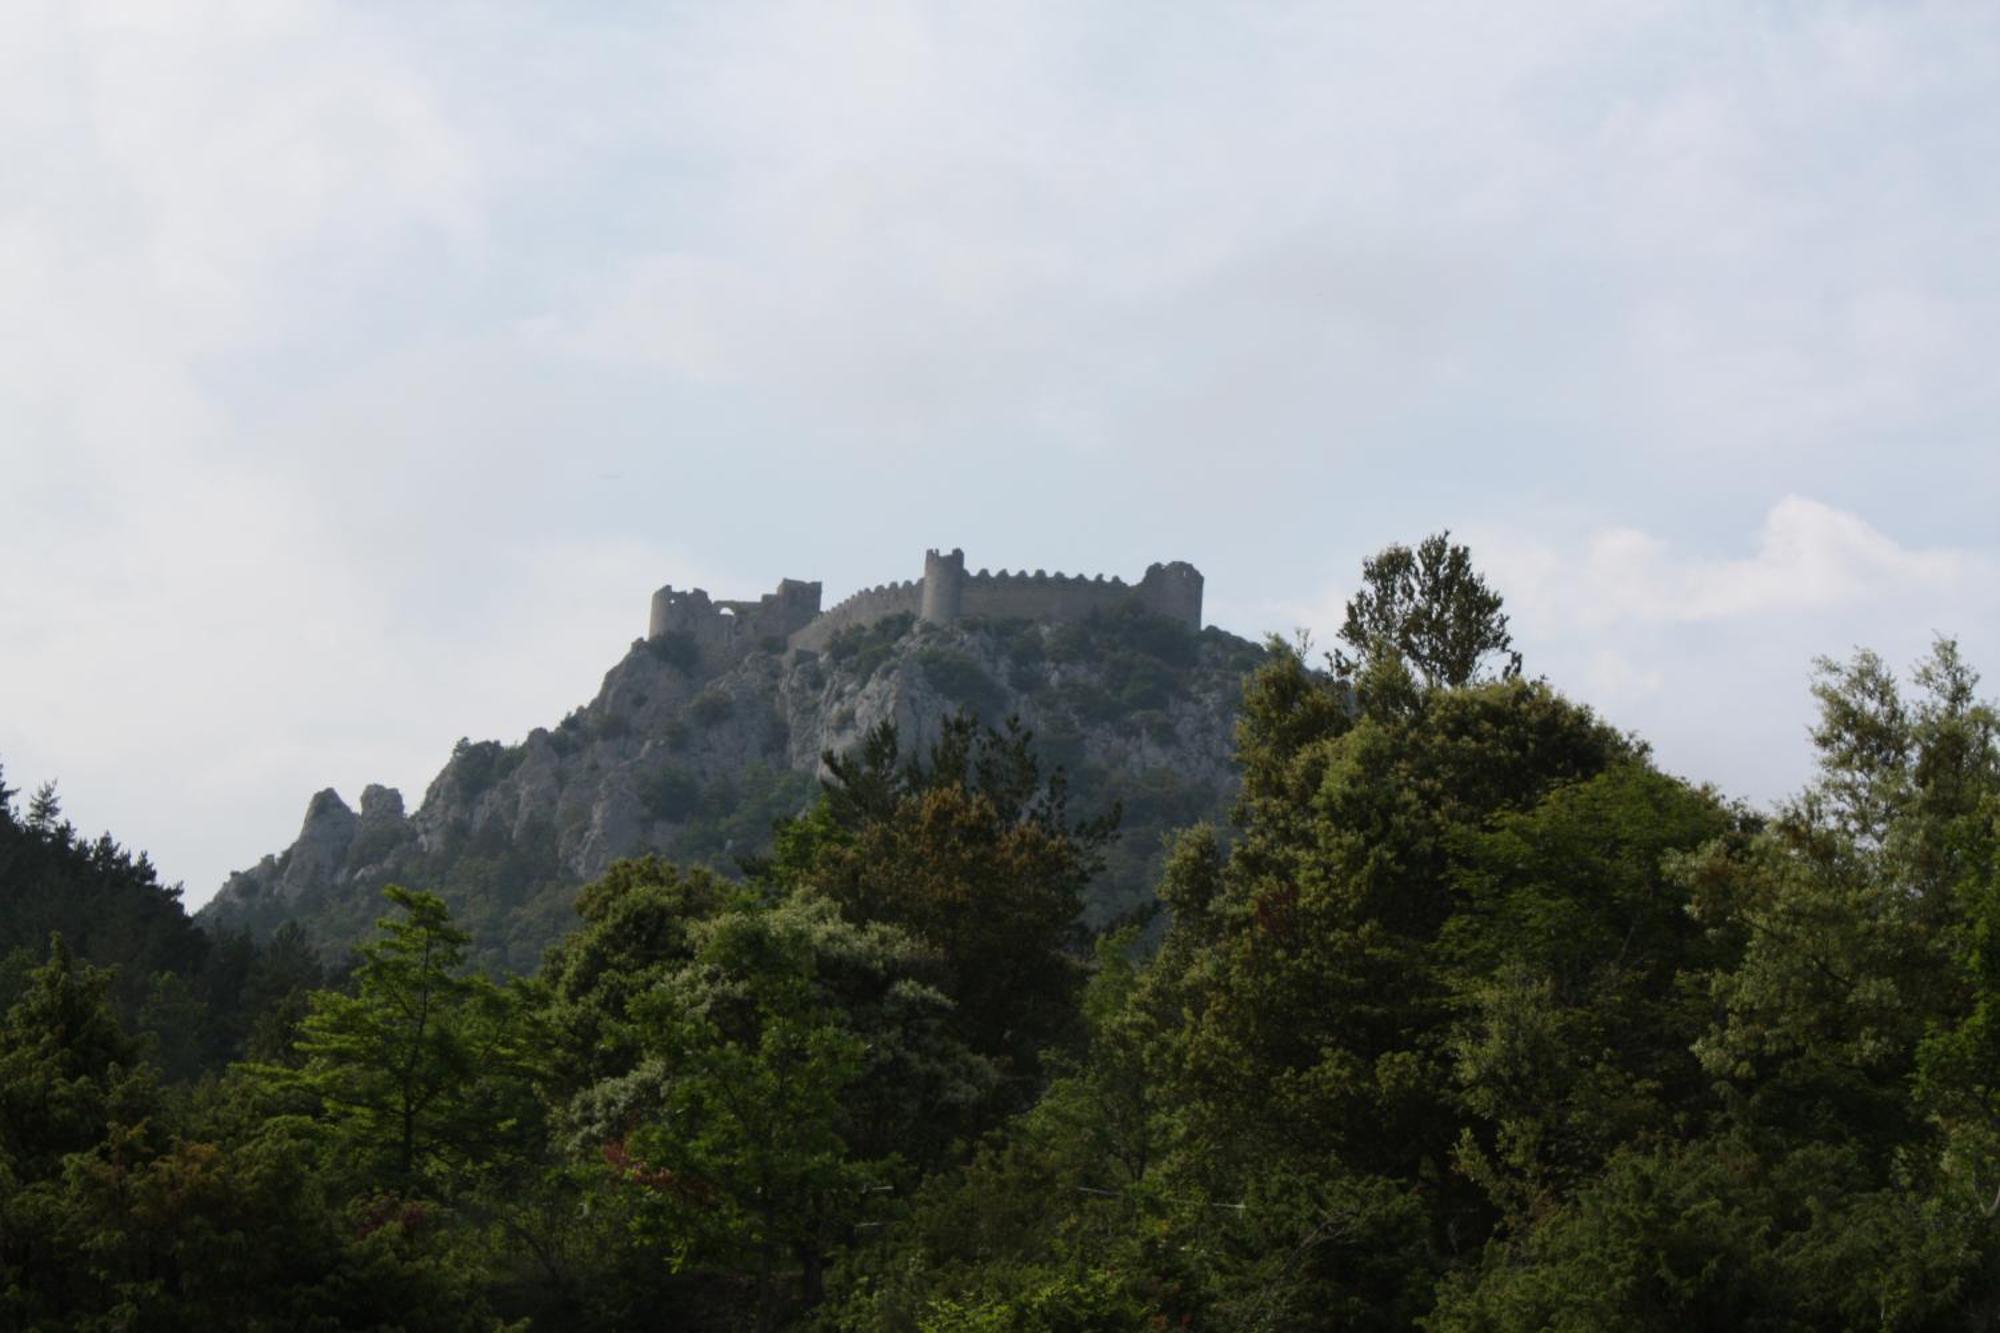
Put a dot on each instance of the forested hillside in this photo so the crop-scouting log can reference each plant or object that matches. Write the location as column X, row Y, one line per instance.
column 1471, row 1019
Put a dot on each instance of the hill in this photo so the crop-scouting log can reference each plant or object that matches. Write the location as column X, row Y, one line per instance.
column 693, row 755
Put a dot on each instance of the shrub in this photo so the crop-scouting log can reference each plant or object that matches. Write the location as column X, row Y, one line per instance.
column 1090, row 701
column 1137, row 682
column 862, row 648
column 734, row 816
column 671, row 793
column 1026, row 677
column 678, row 649
column 1152, row 635
column 963, row 681
column 484, row 763
column 711, row 708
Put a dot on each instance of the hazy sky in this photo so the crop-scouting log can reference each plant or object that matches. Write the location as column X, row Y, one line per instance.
column 364, row 367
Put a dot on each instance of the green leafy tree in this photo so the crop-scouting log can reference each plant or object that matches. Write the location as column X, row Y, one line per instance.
column 1564, row 959
column 1289, row 708
column 118, row 1211
column 1433, row 609
column 787, row 1064
column 1724, row 1233
column 1047, row 1226
column 424, row 1075
column 1841, row 1171
column 1846, row 905
column 1305, row 1004
column 972, row 851
column 634, row 933
column 191, row 1235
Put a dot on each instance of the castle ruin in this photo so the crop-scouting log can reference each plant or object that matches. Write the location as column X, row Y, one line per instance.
column 791, row 616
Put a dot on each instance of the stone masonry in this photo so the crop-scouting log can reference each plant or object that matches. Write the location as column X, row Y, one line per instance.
column 791, row 617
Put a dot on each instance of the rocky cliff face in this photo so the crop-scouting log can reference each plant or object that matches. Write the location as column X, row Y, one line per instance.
column 695, row 765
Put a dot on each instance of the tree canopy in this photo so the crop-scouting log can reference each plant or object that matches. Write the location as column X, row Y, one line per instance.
column 1471, row 1018
column 1430, row 607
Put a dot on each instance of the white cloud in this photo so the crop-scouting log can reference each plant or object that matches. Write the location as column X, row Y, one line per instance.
column 1709, row 656
column 1808, row 556
column 1614, row 681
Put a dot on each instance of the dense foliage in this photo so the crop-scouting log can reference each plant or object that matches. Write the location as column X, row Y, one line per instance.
column 1473, row 1020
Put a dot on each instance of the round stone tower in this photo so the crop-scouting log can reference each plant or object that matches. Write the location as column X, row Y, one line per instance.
column 944, row 587
column 662, row 618
column 1173, row 590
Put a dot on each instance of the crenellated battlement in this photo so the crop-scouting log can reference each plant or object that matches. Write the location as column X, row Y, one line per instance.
column 881, row 592
column 945, row 594
column 1042, row 578
column 862, row 608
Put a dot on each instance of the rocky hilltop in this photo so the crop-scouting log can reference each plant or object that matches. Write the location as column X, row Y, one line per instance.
column 692, row 758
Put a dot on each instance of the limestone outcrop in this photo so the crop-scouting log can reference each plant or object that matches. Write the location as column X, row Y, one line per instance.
column 693, row 756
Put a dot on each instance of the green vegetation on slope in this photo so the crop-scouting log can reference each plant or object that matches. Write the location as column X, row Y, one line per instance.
column 1478, row 1021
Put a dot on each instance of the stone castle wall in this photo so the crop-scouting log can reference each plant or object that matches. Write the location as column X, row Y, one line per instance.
column 1173, row 591
column 725, row 631
column 863, row 608
column 1040, row 596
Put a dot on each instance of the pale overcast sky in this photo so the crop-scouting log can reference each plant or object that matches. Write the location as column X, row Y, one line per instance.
column 364, row 367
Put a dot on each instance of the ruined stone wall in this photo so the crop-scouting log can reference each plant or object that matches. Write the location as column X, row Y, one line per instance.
column 1041, row 596
column 863, row 608
column 1172, row 590
column 777, row 615
column 725, row 631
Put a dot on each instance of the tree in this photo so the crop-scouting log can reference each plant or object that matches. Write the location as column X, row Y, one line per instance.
column 974, row 853
column 1723, row 1232
column 789, row 1066
column 1310, row 1029
column 1287, row 707
column 1563, row 960
column 67, row 1070
column 424, row 1075
column 106, row 903
column 1431, row 608
column 1853, row 902
column 1045, row 1228
column 45, row 810
column 277, row 994
column 635, row 932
